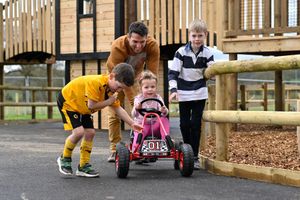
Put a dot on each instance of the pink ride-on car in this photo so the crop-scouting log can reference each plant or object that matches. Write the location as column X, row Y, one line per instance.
column 154, row 143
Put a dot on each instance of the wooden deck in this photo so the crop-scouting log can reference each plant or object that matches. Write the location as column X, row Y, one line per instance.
column 249, row 26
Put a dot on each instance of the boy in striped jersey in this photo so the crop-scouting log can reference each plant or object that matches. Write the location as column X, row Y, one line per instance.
column 188, row 86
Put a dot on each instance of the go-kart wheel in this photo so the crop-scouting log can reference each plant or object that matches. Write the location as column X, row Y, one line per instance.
column 186, row 160
column 122, row 160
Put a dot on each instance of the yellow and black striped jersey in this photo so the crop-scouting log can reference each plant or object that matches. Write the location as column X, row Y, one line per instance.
column 77, row 92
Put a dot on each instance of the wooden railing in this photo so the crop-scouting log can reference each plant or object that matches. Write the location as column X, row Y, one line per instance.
column 265, row 18
column 33, row 102
column 167, row 20
column 28, row 26
column 247, row 99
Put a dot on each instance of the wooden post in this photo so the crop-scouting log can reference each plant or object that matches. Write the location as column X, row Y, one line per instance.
column 49, row 84
column 1, row 35
column 265, row 103
column 243, row 97
column 131, row 10
column 33, row 108
column 203, row 134
column 298, row 129
column 288, row 100
column 211, row 106
column 221, row 128
column 1, row 90
column 283, row 97
column 232, row 91
column 278, row 91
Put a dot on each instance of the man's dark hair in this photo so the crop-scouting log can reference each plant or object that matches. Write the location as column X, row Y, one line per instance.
column 124, row 73
column 139, row 28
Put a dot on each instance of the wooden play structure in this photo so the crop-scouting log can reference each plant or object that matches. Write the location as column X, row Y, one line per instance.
column 80, row 33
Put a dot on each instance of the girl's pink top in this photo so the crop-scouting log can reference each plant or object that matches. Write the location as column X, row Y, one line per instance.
column 137, row 117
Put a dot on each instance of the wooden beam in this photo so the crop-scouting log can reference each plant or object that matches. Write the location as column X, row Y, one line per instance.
column 27, row 104
column 152, row 18
column 170, row 21
column 49, row 84
column 272, row 45
column 1, row 91
column 163, row 22
column 265, row 31
column 53, row 27
column 221, row 128
column 284, row 13
column 40, row 29
column 176, row 22
column 279, row 95
column 1, row 35
column 21, row 39
column 267, row 14
column 15, row 34
column 157, row 21
column 10, row 27
column 253, row 117
column 249, row 16
column 183, row 22
column 298, row 128
column 29, row 26
column 6, row 31
column 257, row 65
column 35, row 27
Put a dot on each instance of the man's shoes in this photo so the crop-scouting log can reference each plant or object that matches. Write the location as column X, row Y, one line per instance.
column 196, row 165
column 112, row 158
column 87, row 171
column 65, row 165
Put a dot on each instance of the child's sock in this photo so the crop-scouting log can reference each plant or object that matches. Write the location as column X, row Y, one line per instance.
column 85, row 152
column 68, row 149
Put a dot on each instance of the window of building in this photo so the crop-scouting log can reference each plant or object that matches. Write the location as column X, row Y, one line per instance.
column 86, row 7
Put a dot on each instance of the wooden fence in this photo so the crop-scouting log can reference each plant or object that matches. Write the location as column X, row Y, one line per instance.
column 263, row 96
column 220, row 115
column 49, row 104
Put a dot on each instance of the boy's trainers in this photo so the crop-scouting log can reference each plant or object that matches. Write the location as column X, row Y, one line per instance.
column 65, row 165
column 86, row 171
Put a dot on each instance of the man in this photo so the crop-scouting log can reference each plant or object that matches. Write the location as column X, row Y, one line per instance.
column 139, row 50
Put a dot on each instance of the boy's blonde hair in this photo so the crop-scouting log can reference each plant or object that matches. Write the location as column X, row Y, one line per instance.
column 198, row 25
column 147, row 75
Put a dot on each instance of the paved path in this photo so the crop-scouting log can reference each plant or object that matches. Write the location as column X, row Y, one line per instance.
column 28, row 171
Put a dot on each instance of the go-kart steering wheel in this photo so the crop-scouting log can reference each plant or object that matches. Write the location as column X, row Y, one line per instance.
column 143, row 111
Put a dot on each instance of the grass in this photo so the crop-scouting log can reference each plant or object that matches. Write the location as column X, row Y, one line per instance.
column 24, row 113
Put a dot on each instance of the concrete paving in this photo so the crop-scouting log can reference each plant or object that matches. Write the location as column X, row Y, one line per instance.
column 28, row 171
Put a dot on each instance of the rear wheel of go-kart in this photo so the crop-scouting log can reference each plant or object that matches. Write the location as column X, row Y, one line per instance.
column 122, row 160
column 186, row 160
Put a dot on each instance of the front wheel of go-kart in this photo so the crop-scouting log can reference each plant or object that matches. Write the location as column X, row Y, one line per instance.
column 122, row 160
column 186, row 160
